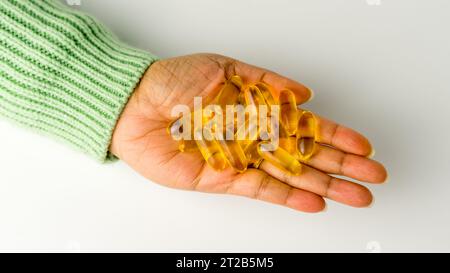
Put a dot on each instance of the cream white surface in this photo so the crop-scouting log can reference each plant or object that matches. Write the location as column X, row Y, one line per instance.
column 383, row 69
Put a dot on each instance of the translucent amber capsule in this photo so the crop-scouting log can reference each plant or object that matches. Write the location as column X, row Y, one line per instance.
column 210, row 150
column 247, row 136
column 279, row 158
column 306, row 135
column 241, row 99
column 288, row 111
column 237, row 81
column 252, row 96
column 234, row 154
column 252, row 154
column 228, row 95
column 247, row 133
column 267, row 93
column 289, row 144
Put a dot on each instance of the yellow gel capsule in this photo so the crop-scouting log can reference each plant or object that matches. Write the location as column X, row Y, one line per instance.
column 237, row 81
column 241, row 99
column 252, row 96
column 289, row 144
column 306, row 135
column 234, row 154
column 247, row 133
column 247, row 138
column 288, row 111
column 279, row 158
column 267, row 93
column 210, row 150
column 252, row 154
column 228, row 95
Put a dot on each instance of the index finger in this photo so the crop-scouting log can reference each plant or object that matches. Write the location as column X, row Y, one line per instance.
column 250, row 73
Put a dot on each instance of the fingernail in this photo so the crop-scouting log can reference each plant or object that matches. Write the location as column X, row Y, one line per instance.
column 372, row 154
column 371, row 203
column 387, row 179
column 313, row 94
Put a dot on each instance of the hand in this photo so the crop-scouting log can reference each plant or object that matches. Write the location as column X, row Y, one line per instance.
column 140, row 139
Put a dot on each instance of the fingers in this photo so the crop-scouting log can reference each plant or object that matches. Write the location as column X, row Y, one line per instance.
column 314, row 181
column 250, row 73
column 259, row 185
column 343, row 138
column 333, row 161
column 330, row 133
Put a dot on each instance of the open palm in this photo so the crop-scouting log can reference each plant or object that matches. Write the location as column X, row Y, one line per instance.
column 140, row 139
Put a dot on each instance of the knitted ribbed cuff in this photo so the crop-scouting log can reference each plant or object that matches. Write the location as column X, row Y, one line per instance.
column 64, row 74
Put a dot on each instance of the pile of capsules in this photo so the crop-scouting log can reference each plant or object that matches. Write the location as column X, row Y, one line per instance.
column 297, row 132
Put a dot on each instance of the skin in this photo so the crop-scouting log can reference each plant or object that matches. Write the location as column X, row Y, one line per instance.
column 140, row 139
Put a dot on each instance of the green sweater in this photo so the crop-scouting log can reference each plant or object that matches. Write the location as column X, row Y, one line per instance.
column 63, row 74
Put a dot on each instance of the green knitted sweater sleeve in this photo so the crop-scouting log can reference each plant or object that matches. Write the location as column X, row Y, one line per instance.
column 63, row 74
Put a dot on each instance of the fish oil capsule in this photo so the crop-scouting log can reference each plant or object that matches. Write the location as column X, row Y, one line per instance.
column 252, row 96
column 228, row 95
column 233, row 153
column 247, row 133
column 289, row 145
column 306, row 135
column 267, row 93
column 287, row 142
column 288, row 111
column 210, row 151
column 237, row 81
column 247, row 138
column 280, row 158
column 241, row 99
column 252, row 154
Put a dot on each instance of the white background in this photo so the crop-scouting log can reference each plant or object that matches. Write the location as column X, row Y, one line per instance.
column 382, row 69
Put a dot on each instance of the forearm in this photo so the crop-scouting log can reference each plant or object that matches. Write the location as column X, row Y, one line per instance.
column 62, row 73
